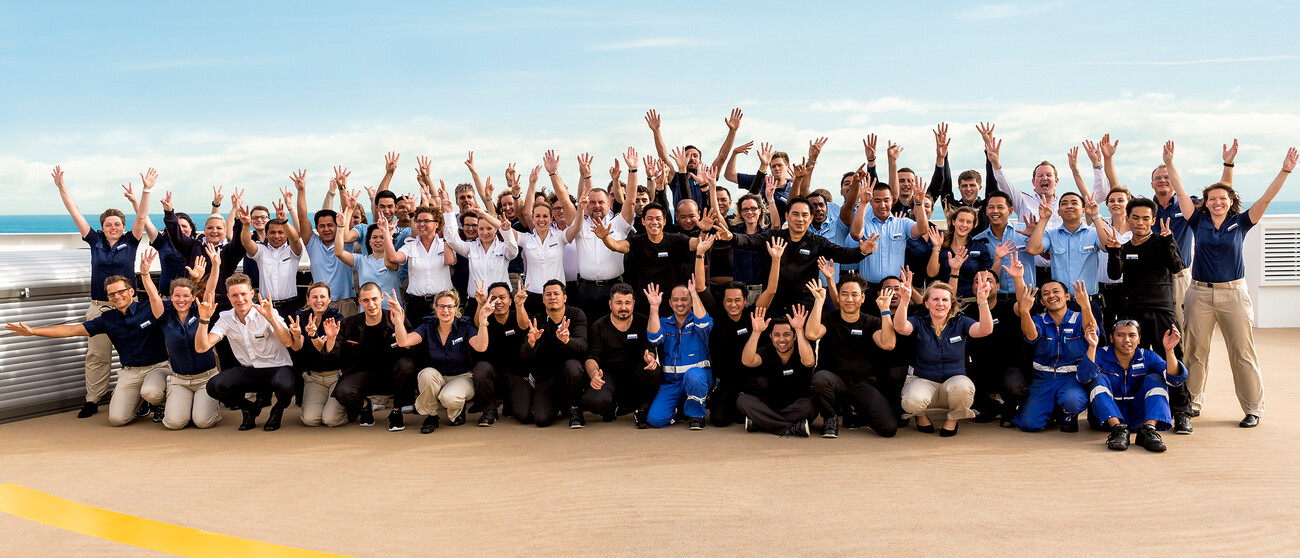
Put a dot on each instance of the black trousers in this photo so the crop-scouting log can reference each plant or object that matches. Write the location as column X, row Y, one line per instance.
column 534, row 306
column 624, row 391
column 230, row 385
column 1153, row 325
column 891, row 386
column 722, row 400
column 593, row 298
column 1009, row 380
column 488, row 382
column 541, row 403
column 418, row 308
column 771, row 420
column 392, row 379
column 832, row 395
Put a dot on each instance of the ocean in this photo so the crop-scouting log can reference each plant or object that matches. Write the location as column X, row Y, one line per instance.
column 61, row 223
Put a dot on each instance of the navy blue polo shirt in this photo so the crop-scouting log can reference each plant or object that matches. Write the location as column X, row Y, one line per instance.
column 108, row 260
column 453, row 356
column 1178, row 223
column 1218, row 250
column 308, row 357
column 979, row 256
column 179, row 337
column 135, row 334
column 943, row 356
column 170, row 261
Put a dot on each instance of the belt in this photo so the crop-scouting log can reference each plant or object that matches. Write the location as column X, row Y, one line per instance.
column 426, row 298
column 755, row 288
column 682, row 368
column 284, row 301
column 1058, row 370
column 599, row 283
column 1228, row 285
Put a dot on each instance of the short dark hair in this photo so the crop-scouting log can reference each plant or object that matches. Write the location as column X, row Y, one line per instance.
column 882, row 186
column 620, row 289
column 690, row 147
column 1075, row 194
column 797, row 199
column 740, row 285
column 385, row 194
column 554, row 282
column 370, row 285
column 499, row 284
column 1000, row 194
column 855, row 279
column 888, row 277
column 1141, row 202
column 325, row 213
column 115, row 279
column 969, row 174
column 655, row 205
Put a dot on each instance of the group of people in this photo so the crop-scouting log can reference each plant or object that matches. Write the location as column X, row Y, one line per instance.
column 670, row 302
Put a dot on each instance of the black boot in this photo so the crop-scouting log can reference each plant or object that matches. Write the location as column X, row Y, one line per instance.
column 1118, row 439
column 576, row 420
column 250, row 418
column 1150, row 439
column 273, row 419
column 831, row 427
column 488, row 418
column 88, row 410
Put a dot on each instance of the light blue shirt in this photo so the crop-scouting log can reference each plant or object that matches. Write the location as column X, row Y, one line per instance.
column 399, row 238
column 1007, row 283
column 834, row 230
column 370, row 269
column 891, row 247
column 1074, row 255
column 327, row 267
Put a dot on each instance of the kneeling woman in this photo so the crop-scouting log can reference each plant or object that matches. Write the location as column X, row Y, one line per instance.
column 448, row 381
column 315, row 354
column 938, row 372
column 187, row 394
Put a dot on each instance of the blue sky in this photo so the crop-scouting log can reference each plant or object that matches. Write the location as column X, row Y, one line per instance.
column 241, row 94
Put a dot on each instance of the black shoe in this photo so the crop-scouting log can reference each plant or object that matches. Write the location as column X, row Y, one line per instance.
column 576, row 420
column 927, row 429
column 799, row 429
column 430, row 424
column 611, row 416
column 1150, row 439
column 1070, row 424
column 1250, row 421
column 88, row 410
column 1182, row 424
column 1118, row 439
column 986, row 415
column 697, row 423
column 395, row 421
column 459, row 420
column 850, row 421
column 273, row 420
column 749, row 425
column 488, row 418
column 831, row 427
column 945, row 433
column 250, row 419
column 1007, row 422
column 158, row 411
column 367, row 416
column 1196, row 414
column 143, row 410
column 639, row 418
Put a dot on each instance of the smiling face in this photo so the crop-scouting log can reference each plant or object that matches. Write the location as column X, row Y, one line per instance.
column 597, row 204
column 445, row 307
column 387, row 207
column 465, row 199
column 733, row 302
column 653, row 221
column 318, row 299
column 818, row 206
column 276, row 235
column 214, row 230
column 541, row 217
column 113, row 228
column 782, row 338
column 259, row 217
column 507, row 205
column 1053, row 296
column 939, row 303
column 1161, row 184
column 642, row 200
column 358, row 218
column 241, row 297
column 750, row 211
column 688, row 215
column 469, row 225
column 1070, row 208
column 376, row 241
column 1140, row 221
column 1125, row 339
column 499, row 300
column 969, row 188
column 372, row 302
column 486, row 232
column 724, row 201
column 325, row 227
column 881, row 202
column 120, row 295
column 798, row 215
column 1044, row 179
column 962, row 223
column 998, row 211
column 427, row 225
column 1116, row 202
column 851, row 297
column 906, row 180
column 680, row 301
column 1218, row 202
column 187, row 229
column 182, row 298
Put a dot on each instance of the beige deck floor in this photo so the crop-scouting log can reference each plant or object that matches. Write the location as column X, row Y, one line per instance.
column 613, row 490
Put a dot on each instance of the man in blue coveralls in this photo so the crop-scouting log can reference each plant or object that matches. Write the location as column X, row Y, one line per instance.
column 1059, row 346
column 1132, row 383
column 684, row 337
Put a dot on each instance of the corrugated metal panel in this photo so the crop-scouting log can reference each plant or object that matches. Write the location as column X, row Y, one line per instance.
column 39, row 375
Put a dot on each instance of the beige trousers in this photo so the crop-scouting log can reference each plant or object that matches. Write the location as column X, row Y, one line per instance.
column 318, row 408
column 99, row 356
column 188, row 400
column 1229, row 308
column 347, row 307
column 443, row 392
column 1182, row 280
column 956, row 394
column 134, row 383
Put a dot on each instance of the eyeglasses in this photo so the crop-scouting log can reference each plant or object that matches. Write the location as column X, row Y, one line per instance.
column 261, row 218
column 446, row 306
column 425, row 221
column 747, row 209
column 119, row 292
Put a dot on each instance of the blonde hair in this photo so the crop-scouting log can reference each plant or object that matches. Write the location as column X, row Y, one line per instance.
column 453, row 295
column 954, row 308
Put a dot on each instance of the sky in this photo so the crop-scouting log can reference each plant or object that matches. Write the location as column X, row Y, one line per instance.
column 242, row 94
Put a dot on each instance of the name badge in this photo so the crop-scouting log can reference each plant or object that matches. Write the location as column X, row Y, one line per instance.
column 192, row 320
column 896, row 236
column 855, row 332
column 995, row 321
column 260, row 336
column 1087, row 249
column 145, row 324
column 1139, row 365
column 789, row 372
column 510, row 332
column 742, row 331
column 632, row 336
column 663, row 254
column 1178, row 215
column 956, row 339
column 805, row 251
column 975, row 252
column 457, row 340
column 1230, row 227
column 1020, row 248
column 1068, row 330
column 120, row 246
column 552, row 245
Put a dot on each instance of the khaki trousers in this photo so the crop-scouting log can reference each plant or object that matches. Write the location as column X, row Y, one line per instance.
column 956, row 394
column 99, row 356
column 1228, row 307
column 443, row 392
column 347, row 307
column 318, row 407
column 1182, row 280
column 188, row 400
column 133, row 383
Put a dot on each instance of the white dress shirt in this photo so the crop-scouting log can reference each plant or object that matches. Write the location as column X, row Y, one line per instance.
column 543, row 259
column 278, row 270
column 596, row 262
column 427, row 272
column 486, row 266
column 253, row 341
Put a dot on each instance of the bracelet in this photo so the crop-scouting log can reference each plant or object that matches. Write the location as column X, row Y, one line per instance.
column 952, row 276
column 205, row 322
column 147, row 190
column 484, row 324
column 886, row 313
column 982, row 303
column 1286, row 171
column 215, row 204
column 1229, row 165
column 588, row 177
column 552, row 174
column 700, row 256
column 630, row 171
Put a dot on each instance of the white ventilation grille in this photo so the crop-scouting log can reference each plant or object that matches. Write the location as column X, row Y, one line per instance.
column 1282, row 255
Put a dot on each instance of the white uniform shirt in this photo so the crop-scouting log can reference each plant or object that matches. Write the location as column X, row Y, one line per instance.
column 596, row 262
column 427, row 274
column 253, row 341
column 543, row 260
column 486, row 266
column 278, row 271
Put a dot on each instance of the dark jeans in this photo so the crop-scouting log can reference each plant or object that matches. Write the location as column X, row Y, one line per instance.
column 230, row 385
column 767, row 419
column 392, row 379
column 624, row 391
column 832, row 394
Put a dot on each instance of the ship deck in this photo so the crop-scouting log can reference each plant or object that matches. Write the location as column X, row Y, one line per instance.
column 613, row 490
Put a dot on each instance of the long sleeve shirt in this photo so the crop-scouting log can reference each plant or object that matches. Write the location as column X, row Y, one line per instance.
column 685, row 346
column 1148, row 270
column 798, row 263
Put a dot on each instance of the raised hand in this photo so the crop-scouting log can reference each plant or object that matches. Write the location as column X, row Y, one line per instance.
column 935, row 237
column 199, row 271
column 395, row 311
column 1164, row 227
column 512, row 176
column 894, row 151
column 598, row 226
column 294, row 325
column 769, row 186
column 986, row 132
column 521, row 293
column 652, row 295
column 534, row 333
column 956, row 257
column 776, row 247
column 1167, row 155
column 584, row 165
column 147, row 256
column 1081, row 294
column 562, row 332
column 815, row 287
column 1108, row 147
column 765, row 152
column 705, row 243
column 480, row 295
column 1030, row 222
column 1288, row 164
column 58, row 177
column 469, row 163
column 1090, row 334
column 868, row 244
column 758, row 322
column 299, row 180
column 826, row 268
column 265, row 308
column 869, row 145
column 390, row 161
column 1094, row 153
column 1026, row 299
column 941, row 141
column 1072, row 156
column 679, row 157
column 905, row 285
column 798, row 318
column 652, row 120
column 148, row 178
column 982, row 286
column 341, row 175
column 615, row 172
column 733, row 123
column 743, row 149
column 1230, row 153
column 629, row 157
column 422, row 164
column 1016, row 269
column 214, row 256
column 1044, row 210
column 216, row 197
column 312, row 326
column 331, row 327
column 128, row 192
column 208, row 305
column 1172, row 338
column 815, row 148
column 884, row 299
column 1003, row 248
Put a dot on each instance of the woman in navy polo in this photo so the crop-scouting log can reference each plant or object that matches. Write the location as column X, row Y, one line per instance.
column 187, row 394
column 1218, row 294
column 938, row 372
column 447, row 338
column 959, row 257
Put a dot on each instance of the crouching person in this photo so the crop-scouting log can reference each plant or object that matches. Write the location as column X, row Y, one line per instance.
column 316, row 355
column 187, row 395
column 778, row 399
column 1132, row 384
column 447, row 383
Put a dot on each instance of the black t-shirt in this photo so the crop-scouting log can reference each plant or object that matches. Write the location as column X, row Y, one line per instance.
column 545, row 359
column 660, row 263
column 904, row 345
column 308, row 358
column 1006, row 346
column 780, row 383
column 846, row 347
column 615, row 351
column 1148, row 271
column 369, row 347
column 503, row 345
